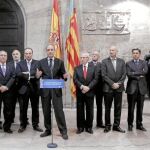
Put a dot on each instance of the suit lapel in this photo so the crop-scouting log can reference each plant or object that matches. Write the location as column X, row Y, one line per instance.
column 1, row 71
column 55, row 65
column 46, row 66
column 81, row 71
column 7, row 70
column 32, row 65
column 117, row 65
column 111, row 65
column 25, row 65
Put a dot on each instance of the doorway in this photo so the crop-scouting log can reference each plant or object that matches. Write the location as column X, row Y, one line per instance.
column 11, row 27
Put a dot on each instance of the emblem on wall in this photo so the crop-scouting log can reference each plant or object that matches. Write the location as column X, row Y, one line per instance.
column 106, row 22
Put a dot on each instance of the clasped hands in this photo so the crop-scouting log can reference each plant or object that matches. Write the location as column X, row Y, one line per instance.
column 3, row 88
column 115, row 86
column 84, row 89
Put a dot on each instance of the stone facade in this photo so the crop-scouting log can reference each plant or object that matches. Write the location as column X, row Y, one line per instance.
column 124, row 23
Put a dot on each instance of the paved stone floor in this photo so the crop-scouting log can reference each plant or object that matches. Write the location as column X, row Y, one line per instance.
column 30, row 140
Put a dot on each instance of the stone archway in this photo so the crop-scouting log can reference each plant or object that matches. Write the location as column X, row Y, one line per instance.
column 11, row 27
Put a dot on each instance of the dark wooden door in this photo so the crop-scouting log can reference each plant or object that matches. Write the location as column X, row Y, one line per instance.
column 11, row 27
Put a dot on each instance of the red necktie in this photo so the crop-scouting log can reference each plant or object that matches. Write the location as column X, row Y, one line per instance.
column 84, row 72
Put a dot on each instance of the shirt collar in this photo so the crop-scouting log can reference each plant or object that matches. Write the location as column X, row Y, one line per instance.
column 3, row 64
column 113, row 58
column 136, row 60
column 85, row 65
column 48, row 58
column 17, row 61
column 28, row 60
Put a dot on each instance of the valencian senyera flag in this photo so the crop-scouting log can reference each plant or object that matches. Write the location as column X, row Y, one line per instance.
column 72, row 46
column 54, row 37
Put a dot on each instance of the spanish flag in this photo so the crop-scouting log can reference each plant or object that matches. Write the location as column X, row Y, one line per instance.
column 72, row 46
column 55, row 29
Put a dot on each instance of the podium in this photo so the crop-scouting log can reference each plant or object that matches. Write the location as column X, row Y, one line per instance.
column 51, row 84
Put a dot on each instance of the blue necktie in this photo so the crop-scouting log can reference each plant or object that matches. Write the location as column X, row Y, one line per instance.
column 137, row 62
column 3, row 67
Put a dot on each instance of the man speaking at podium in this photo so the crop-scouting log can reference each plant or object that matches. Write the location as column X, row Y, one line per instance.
column 52, row 68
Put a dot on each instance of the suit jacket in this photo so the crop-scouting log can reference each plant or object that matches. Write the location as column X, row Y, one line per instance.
column 23, row 79
column 90, row 81
column 56, row 73
column 9, row 77
column 99, row 85
column 136, row 77
column 110, row 76
column 12, row 65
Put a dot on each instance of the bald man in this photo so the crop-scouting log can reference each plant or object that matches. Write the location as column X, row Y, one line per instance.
column 52, row 68
column 113, row 74
column 85, row 78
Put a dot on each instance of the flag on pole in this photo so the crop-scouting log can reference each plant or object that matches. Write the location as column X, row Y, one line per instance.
column 72, row 46
column 55, row 29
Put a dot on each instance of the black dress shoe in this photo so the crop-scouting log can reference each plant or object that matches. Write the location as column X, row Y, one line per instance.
column 130, row 128
column 8, row 131
column 89, row 130
column 80, row 130
column 21, row 129
column 141, row 128
column 37, row 128
column 46, row 133
column 65, row 136
column 118, row 129
column 107, row 129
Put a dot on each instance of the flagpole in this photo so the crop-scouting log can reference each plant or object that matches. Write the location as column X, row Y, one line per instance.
column 55, row 6
column 52, row 145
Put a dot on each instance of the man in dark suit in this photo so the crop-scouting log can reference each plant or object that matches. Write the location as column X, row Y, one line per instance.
column 28, row 89
column 52, row 68
column 136, row 88
column 147, row 59
column 85, row 78
column 98, row 90
column 16, row 55
column 114, row 74
column 7, row 78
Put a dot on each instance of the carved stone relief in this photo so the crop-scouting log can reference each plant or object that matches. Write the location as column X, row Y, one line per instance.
column 106, row 22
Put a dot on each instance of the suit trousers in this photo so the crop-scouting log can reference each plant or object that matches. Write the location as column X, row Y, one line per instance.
column 15, row 97
column 108, row 99
column 58, row 110
column 24, row 100
column 137, row 99
column 99, row 105
column 85, row 111
column 7, row 103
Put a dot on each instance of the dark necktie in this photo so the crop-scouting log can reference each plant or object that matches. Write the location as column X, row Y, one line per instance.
column 84, row 72
column 50, row 63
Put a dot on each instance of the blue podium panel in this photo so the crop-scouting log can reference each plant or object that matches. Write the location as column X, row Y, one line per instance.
column 52, row 83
